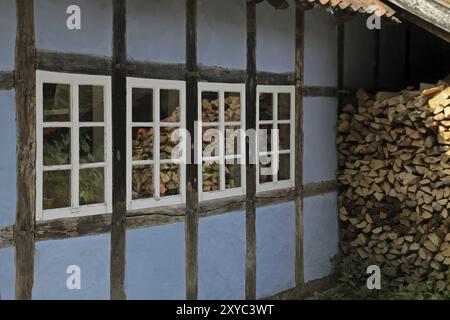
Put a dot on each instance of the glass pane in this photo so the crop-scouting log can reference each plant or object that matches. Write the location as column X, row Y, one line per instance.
column 232, row 176
column 232, row 106
column 265, row 169
column 284, row 106
column 56, row 102
column 142, row 143
column 169, row 139
column 142, row 184
column 92, row 186
column 211, row 176
column 265, row 137
column 91, row 103
column 284, row 136
column 142, row 105
column 170, row 105
column 56, row 146
column 169, row 184
column 284, row 168
column 232, row 140
column 210, row 145
column 210, row 106
column 56, row 189
column 265, row 106
column 92, row 145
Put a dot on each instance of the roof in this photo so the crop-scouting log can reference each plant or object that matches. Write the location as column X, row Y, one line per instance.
column 361, row 6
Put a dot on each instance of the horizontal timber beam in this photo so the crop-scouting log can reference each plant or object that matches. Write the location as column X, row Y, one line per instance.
column 6, row 80
column 100, row 224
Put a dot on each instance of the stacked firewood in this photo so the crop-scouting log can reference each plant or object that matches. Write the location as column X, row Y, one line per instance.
column 394, row 177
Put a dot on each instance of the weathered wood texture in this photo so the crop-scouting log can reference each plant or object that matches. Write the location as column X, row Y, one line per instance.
column 119, row 115
column 191, row 225
column 6, row 80
column 341, row 58
column 299, row 83
column 250, row 206
column 318, row 188
column 25, row 82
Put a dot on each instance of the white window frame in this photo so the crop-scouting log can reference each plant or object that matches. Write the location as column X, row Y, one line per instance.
column 74, row 80
column 275, row 90
column 221, row 88
column 156, row 86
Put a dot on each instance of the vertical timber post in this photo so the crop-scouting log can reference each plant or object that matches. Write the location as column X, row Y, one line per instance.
column 25, row 83
column 299, row 84
column 191, row 224
column 119, row 114
column 251, row 158
column 341, row 44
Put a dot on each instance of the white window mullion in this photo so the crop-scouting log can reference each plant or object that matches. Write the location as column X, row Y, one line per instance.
column 221, row 140
column 156, row 142
column 75, row 183
column 275, row 137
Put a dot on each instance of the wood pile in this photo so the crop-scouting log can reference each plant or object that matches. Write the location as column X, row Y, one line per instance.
column 394, row 178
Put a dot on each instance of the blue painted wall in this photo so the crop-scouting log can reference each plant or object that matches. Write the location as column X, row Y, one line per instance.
column 155, row 263
column 91, row 254
column 320, row 234
column 275, row 249
column 95, row 36
column 7, row 273
column 221, row 260
column 7, row 34
column 7, row 158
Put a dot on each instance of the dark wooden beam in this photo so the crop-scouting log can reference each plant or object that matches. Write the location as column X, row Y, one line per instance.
column 25, row 83
column 251, row 158
column 341, row 59
column 318, row 188
column 299, row 83
column 119, row 116
column 191, row 225
column 6, row 80
column 377, row 60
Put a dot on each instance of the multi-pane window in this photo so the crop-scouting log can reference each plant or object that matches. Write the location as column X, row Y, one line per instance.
column 221, row 140
column 155, row 124
column 73, row 145
column 275, row 138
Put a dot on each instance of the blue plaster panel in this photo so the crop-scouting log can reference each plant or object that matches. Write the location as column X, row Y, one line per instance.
column 94, row 37
column 275, row 249
column 156, row 30
column 222, row 37
column 222, row 257
column 7, row 158
column 91, row 254
column 155, row 263
column 320, row 48
column 7, row 34
column 275, row 43
column 7, row 273
column 320, row 232
column 319, row 127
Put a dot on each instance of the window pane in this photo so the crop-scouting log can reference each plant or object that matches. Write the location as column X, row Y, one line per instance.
column 142, row 184
column 56, row 189
column 170, row 105
column 265, row 106
column 284, row 136
column 92, row 145
column 210, row 106
column 232, row 106
column 265, row 137
column 284, row 167
column 91, row 103
column 169, row 139
column 211, row 176
column 142, row 143
column 142, row 105
column 56, row 146
column 232, row 140
column 56, row 102
column 284, row 106
column 169, row 180
column 92, row 186
column 210, row 138
column 232, row 176
column 265, row 169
